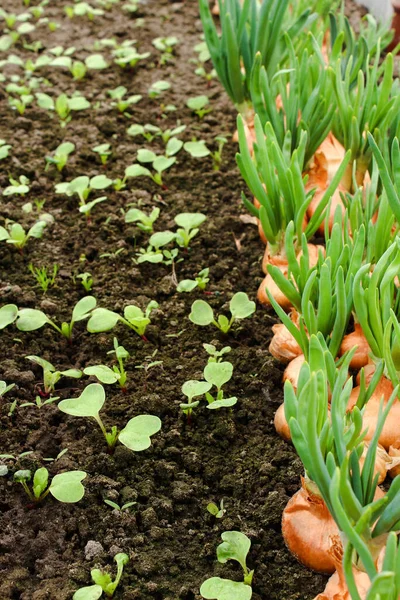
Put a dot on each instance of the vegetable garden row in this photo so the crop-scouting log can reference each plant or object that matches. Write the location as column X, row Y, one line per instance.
column 138, row 392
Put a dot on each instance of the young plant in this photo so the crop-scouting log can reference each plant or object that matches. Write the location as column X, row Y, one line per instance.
column 144, row 222
column 127, row 55
column 15, row 234
column 240, row 307
column 21, row 102
column 60, row 157
column 18, row 186
column 199, row 105
column 196, row 148
column 214, row 354
column 39, row 403
column 150, row 132
column 159, row 164
column 103, row 581
column 157, row 88
column 50, row 375
column 65, row 487
column 119, row 508
column 82, row 186
column 217, row 154
column 104, row 152
column 4, row 149
column 188, row 285
column 235, row 546
column 136, row 433
column 62, row 105
column 154, row 253
column 193, row 389
column 216, row 511
column 188, row 224
column 120, row 102
column 4, row 388
column 166, row 46
column 218, row 374
column 117, row 374
column 44, row 277
column 86, row 280
column 102, row 319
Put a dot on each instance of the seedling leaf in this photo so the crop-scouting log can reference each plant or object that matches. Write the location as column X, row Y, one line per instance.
column 216, row 588
column 88, row 404
column 241, row 307
column 201, row 313
column 136, row 434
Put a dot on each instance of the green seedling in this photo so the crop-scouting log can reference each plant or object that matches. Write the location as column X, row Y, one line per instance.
column 50, row 375
column 188, row 285
column 65, row 487
column 188, row 224
column 60, row 157
column 119, row 508
column 166, row 46
column 214, row 354
column 113, row 255
column 217, row 588
column 78, row 70
column 199, row 105
column 4, row 149
column 135, row 435
column 150, row 132
column 159, row 164
column 148, row 364
column 19, row 104
column 62, row 105
column 82, row 186
column 217, row 374
column 39, row 402
column 143, row 221
column 193, row 389
column 103, row 581
column 157, row 88
column 215, row 511
column 103, row 150
column 44, row 277
column 217, row 154
column 131, row 6
column 196, row 148
column 18, row 186
column 103, row 319
column 96, row 62
column 82, row 9
column 4, row 388
column 86, row 280
column 240, row 306
column 115, row 375
column 30, row 319
column 127, row 55
column 154, row 253
column 120, row 102
column 8, row 314
column 15, row 234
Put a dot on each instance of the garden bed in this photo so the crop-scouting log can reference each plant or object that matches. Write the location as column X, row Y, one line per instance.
column 47, row 552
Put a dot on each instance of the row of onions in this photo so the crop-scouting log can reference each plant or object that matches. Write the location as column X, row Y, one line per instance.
column 318, row 129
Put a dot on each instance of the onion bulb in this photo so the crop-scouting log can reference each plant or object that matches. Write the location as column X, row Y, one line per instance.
column 293, row 369
column 384, row 462
column 394, row 453
column 283, row 345
column 356, row 338
column 281, row 425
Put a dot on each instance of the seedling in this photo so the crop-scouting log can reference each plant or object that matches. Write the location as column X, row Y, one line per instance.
column 193, row 389
column 44, row 279
column 119, row 508
column 39, row 402
column 83, row 9
column 4, row 149
column 166, row 46
column 15, row 234
column 117, row 374
column 63, row 105
column 120, row 102
column 103, row 319
column 144, row 222
column 154, row 254
column 103, row 581
column 159, row 164
column 4, row 388
column 82, row 186
column 86, row 280
column 188, row 224
column 217, row 154
column 199, row 105
column 214, row 354
column 217, row 512
column 8, row 314
column 21, row 102
column 188, row 285
column 61, row 155
column 157, row 88
column 65, row 487
column 196, row 148
column 150, row 132
column 18, row 186
column 240, row 306
column 127, row 55
column 149, row 363
column 50, row 375
column 30, row 319
column 135, row 435
column 217, row 374
column 235, row 546
column 103, row 151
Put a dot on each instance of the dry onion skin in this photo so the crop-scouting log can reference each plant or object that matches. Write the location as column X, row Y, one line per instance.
column 361, row 355
column 292, row 371
column 283, row 345
column 384, row 462
column 281, row 425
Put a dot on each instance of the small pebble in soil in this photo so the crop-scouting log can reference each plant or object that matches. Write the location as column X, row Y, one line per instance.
column 93, row 549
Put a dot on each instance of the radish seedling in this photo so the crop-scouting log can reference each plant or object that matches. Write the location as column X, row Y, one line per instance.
column 39, row 402
column 60, row 157
column 217, row 512
column 62, row 105
column 103, row 150
column 81, row 9
column 86, row 280
column 120, row 102
column 214, row 354
column 240, row 306
column 193, row 389
column 154, row 254
column 144, row 222
column 4, row 388
column 217, row 374
column 157, row 88
column 150, row 132
column 15, row 234
column 65, row 487
column 166, row 45
column 103, row 581
column 199, row 105
column 159, row 164
column 4, row 149
column 18, row 186
column 196, row 148
column 117, row 374
column 21, row 102
column 50, row 376
column 217, row 154
column 188, row 285
column 103, row 319
column 126, row 54
column 135, row 435
column 188, row 224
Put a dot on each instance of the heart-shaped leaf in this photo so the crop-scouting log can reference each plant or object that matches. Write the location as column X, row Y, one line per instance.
column 241, row 307
column 8, row 314
column 235, row 546
column 88, row 404
column 136, row 434
column 201, row 313
column 193, row 388
column 146, row 156
column 137, row 171
column 30, row 319
column 67, row 487
column 91, row 592
column 189, row 220
column 102, row 319
column 161, row 238
column 103, row 373
column 82, row 308
column 216, row 588
column 218, row 373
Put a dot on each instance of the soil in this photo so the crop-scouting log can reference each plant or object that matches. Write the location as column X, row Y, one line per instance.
column 234, row 455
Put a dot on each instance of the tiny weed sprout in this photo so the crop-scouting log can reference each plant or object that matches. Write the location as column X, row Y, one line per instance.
column 188, row 285
column 214, row 354
column 18, row 186
column 60, row 157
column 217, row 154
column 135, row 435
column 65, row 487
column 103, row 581
column 15, row 234
column 30, row 319
column 235, row 546
column 104, row 152
column 4, row 388
column 240, row 306
column 50, row 375
column 122, row 104
column 193, row 389
column 62, row 105
column 103, row 319
column 199, row 105
column 86, row 280
column 215, row 511
column 4, row 149
column 119, row 508
column 157, row 88
column 45, row 278
column 117, row 374
column 143, row 221
column 39, row 403
column 217, row 374
column 188, row 224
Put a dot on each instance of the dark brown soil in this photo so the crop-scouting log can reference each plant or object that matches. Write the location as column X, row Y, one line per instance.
column 231, row 455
